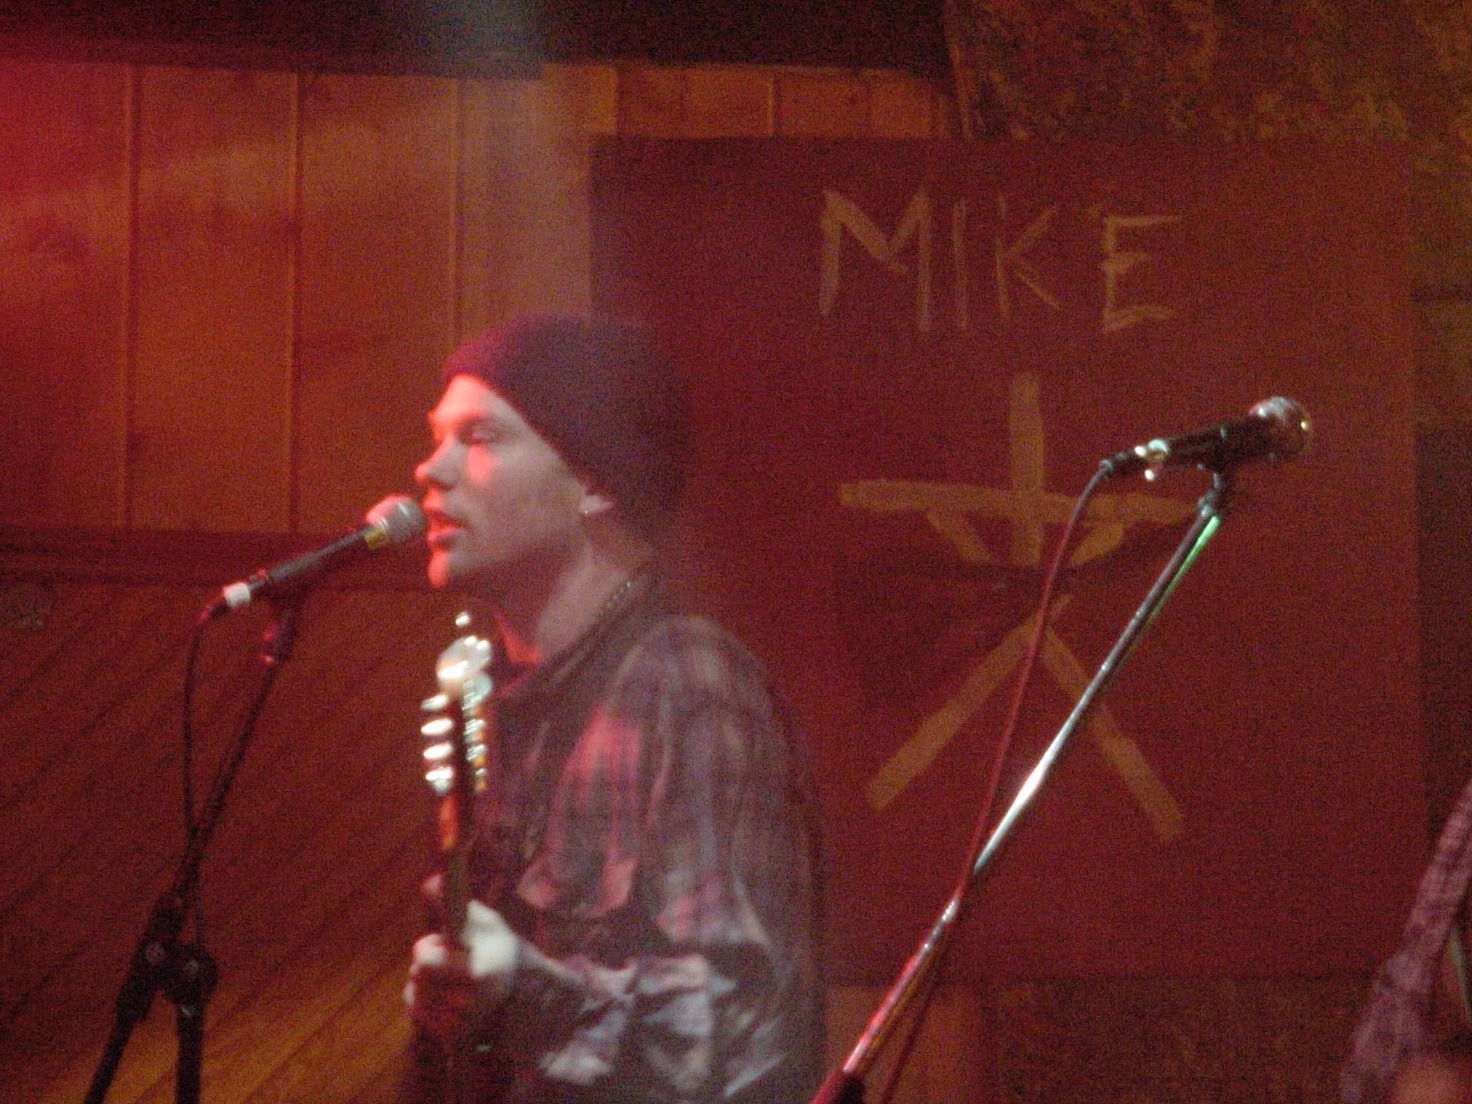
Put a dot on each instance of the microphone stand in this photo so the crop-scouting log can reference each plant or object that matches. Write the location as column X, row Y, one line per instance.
column 846, row 1084
column 184, row 972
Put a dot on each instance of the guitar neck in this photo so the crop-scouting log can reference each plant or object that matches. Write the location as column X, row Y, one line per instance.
column 457, row 819
column 456, row 751
column 456, row 903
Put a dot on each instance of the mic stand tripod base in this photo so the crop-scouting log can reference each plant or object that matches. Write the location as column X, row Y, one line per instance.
column 181, row 971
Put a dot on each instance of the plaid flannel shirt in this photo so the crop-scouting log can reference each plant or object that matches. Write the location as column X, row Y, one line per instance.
column 651, row 838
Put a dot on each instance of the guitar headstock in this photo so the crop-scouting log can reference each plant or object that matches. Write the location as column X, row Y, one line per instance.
column 454, row 738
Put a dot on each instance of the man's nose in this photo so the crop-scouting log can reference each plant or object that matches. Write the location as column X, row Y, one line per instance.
column 433, row 470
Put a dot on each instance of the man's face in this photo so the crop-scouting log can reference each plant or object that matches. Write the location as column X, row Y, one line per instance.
column 498, row 497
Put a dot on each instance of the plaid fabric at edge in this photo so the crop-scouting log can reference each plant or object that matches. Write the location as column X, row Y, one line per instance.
column 1396, row 1022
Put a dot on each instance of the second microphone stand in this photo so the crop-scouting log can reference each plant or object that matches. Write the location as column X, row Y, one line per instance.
column 846, row 1085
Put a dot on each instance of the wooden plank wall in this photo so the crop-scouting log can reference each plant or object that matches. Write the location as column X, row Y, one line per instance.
column 227, row 294
column 228, row 290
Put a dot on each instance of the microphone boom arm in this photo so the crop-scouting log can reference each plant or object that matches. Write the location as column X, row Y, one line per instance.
column 846, row 1085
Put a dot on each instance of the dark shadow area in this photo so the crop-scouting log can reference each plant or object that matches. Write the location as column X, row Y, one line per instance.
column 470, row 38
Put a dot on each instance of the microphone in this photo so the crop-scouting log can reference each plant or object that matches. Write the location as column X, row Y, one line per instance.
column 395, row 520
column 1275, row 429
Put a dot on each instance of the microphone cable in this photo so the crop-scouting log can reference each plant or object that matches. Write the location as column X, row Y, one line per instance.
column 930, row 984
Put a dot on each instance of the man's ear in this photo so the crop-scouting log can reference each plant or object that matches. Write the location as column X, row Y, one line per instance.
column 594, row 504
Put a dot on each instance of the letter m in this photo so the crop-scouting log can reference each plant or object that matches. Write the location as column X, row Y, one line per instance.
column 841, row 213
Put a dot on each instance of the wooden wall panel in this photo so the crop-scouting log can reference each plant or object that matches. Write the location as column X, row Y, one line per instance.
column 524, row 222
column 903, row 107
column 377, row 301
column 248, row 309
column 311, row 880
column 706, row 102
column 821, row 104
column 210, row 435
column 728, row 101
column 651, row 101
column 64, row 234
column 747, row 102
column 89, row 824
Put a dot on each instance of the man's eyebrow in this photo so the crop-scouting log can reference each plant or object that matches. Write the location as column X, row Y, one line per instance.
column 460, row 421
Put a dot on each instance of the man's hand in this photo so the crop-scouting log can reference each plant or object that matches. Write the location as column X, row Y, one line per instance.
column 452, row 987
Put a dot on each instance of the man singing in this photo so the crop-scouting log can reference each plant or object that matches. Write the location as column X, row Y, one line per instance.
column 644, row 861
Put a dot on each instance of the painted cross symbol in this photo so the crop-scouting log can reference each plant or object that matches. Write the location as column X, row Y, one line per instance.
column 1029, row 508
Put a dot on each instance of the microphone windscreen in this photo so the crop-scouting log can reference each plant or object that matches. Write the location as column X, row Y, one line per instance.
column 400, row 519
column 1289, row 428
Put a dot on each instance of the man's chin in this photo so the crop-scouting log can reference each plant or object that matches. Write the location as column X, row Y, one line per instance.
column 442, row 573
